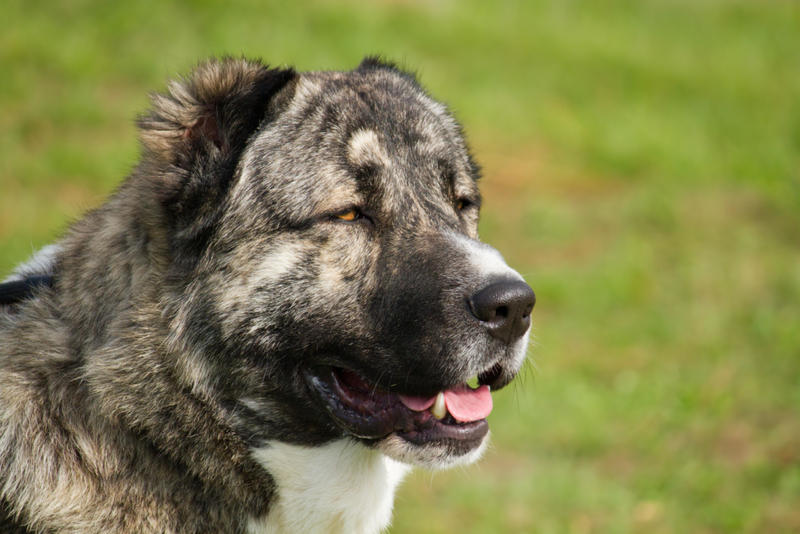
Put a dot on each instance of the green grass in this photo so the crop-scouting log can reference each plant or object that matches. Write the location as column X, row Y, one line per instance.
column 642, row 169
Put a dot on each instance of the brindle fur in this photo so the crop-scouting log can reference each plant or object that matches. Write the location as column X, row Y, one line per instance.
column 134, row 391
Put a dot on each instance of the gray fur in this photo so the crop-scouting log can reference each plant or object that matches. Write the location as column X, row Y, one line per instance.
column 186, row 309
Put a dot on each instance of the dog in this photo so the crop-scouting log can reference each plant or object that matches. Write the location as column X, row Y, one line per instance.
column 280, row 310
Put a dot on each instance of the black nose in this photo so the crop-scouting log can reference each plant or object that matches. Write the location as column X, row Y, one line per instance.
column 505, row 308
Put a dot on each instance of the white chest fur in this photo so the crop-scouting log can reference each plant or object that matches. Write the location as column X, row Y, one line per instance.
column 342, row 487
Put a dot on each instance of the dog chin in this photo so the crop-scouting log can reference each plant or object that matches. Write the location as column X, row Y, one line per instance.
column 431, row 456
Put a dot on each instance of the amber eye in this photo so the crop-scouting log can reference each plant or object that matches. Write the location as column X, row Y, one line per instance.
column 349, row 215
column 461, row 204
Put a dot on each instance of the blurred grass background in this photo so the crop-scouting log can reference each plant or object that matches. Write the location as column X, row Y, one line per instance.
column 642, row 169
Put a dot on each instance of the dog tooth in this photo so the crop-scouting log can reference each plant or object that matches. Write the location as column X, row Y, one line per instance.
column 473, row 382
column 439, row 410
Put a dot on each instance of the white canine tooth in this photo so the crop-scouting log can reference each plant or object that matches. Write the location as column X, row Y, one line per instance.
column 439, row 410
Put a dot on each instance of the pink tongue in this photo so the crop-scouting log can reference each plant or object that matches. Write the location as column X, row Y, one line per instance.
column 467, row 404
column 464, row 403
column 418, row 404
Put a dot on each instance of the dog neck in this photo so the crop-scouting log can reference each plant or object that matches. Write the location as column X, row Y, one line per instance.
column 342, row 487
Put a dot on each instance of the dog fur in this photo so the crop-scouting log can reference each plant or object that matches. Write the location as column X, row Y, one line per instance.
column 277, row 223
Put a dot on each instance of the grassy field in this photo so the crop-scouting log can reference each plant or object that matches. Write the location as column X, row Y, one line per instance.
column 642, row 169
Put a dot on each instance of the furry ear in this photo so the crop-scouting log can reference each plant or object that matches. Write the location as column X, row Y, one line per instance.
column 211, row 113
column 377, row 63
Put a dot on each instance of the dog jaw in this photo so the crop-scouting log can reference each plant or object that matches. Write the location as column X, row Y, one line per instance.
column 432, row 457
column 365, row 411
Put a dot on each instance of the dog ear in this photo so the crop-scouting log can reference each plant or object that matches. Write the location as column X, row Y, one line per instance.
column 377, row 63
column 209, row 114
column 193, row 137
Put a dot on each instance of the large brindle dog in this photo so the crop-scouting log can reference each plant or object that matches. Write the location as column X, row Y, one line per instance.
column 275, row 315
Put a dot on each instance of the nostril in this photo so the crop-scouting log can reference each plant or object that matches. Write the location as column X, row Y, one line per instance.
column 528, row 310
column 502, row 311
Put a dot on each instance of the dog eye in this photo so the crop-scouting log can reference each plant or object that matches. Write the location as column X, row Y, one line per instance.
column 462, row 203
column 349, row 215
column 352, row 215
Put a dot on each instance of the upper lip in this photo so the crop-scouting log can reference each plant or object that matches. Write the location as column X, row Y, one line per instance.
column 493, row 376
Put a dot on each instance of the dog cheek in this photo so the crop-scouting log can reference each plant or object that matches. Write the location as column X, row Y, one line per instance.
column 344, row 281
column 253, row 281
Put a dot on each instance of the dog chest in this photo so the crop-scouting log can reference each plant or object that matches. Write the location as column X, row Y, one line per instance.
column 342, row 487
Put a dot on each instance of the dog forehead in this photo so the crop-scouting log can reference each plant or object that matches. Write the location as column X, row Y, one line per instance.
column 385, row 102
column 337, row 124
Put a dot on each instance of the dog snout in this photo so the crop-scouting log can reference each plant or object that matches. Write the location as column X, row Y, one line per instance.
column 504, row 307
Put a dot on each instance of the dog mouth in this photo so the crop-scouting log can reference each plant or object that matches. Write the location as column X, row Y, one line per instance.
column 363, row 409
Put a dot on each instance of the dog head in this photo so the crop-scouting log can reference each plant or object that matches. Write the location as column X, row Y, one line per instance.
column 325, row 277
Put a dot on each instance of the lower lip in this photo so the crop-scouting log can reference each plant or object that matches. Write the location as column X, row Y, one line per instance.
column 462, row 432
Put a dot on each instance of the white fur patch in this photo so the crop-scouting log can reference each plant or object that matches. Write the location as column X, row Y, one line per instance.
column 342, row 487
column 486, row 260
column 365, row 147
column 40, row 263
